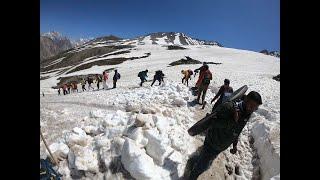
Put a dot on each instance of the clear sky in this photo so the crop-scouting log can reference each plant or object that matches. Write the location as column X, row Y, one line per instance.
column 243, row 24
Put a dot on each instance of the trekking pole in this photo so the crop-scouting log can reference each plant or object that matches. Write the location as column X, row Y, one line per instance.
column 45, row 143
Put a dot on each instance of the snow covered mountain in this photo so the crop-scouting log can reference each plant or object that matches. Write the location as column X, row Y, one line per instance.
column 143, row 130
column 173, row 38
column 80, row 41
column 52, row 43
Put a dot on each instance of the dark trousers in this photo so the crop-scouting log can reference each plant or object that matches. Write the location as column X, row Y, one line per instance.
column 142, row 81
column 186, row 79
column 154, row 80
column 98, row 85
column 202, row 89
column 114, row 83
column 83, row 87
column 203, row 162
column 65, row 92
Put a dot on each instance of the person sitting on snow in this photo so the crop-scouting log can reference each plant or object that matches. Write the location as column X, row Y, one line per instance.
column 143, row 76
column 224, row 130
column 158, row 77
column 224, row 92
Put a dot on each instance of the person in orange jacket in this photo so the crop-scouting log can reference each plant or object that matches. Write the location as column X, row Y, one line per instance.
column 202, row 69
column 205, row 81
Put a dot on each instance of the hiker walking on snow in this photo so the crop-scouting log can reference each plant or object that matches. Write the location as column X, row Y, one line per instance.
column 99, row 80
column 203, row 87
column 116, row 77
column 201, row 69
column 90, row 81
column 143, row 76
column 75, row 87
column 65, row 87
column 158, row 77
column 83, row 85
column 69, row 87
column 105, row 78
column 224, row 92
column 224, row 129
column 187, row 75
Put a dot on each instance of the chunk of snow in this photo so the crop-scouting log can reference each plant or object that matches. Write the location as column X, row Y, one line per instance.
column 82, row 158
column 137, row 162
column 73, row 139
column 269, row 156
column 158, row 147
column 144, row 120
column 112, row 132
column 79, row 131
column 59, row 147
column 96, row 114
column 92, row 130
column 137, row 135
column 179, row 102
column 162, row 123
column 117, row 145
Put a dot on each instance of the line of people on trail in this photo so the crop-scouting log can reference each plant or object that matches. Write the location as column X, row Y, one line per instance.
column 73, row 87
column 222, row 127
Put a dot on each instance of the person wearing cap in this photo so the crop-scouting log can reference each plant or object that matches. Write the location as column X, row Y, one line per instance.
column 224, row 92
column 225, row 128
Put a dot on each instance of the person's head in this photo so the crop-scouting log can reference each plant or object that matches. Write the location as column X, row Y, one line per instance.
column 115, row 70
column 146, row 70
column 205, row 67
column 252, row 101
column 204, row 63
column 182, row 71
column 103, row 72
column 226, row 82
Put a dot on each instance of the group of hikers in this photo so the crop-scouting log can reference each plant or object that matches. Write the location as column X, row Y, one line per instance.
column 73, row 86
column 157, row 77
column 223, row 125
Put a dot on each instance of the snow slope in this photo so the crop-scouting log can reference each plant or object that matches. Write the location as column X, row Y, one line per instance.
column 163, row 116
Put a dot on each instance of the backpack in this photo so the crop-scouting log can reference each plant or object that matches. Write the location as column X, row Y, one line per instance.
column 190, row 72
column 118, row 76
column 47, row 171
column 140, row 74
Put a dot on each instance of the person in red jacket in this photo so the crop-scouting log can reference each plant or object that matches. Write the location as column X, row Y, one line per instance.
column 201, row 69
column 205, row 81
column 65, row 87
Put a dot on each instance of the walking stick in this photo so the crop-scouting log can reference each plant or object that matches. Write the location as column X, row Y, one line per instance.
column 45, row 143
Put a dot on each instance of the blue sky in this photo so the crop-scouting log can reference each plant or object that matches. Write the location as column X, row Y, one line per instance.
column 243, row 24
